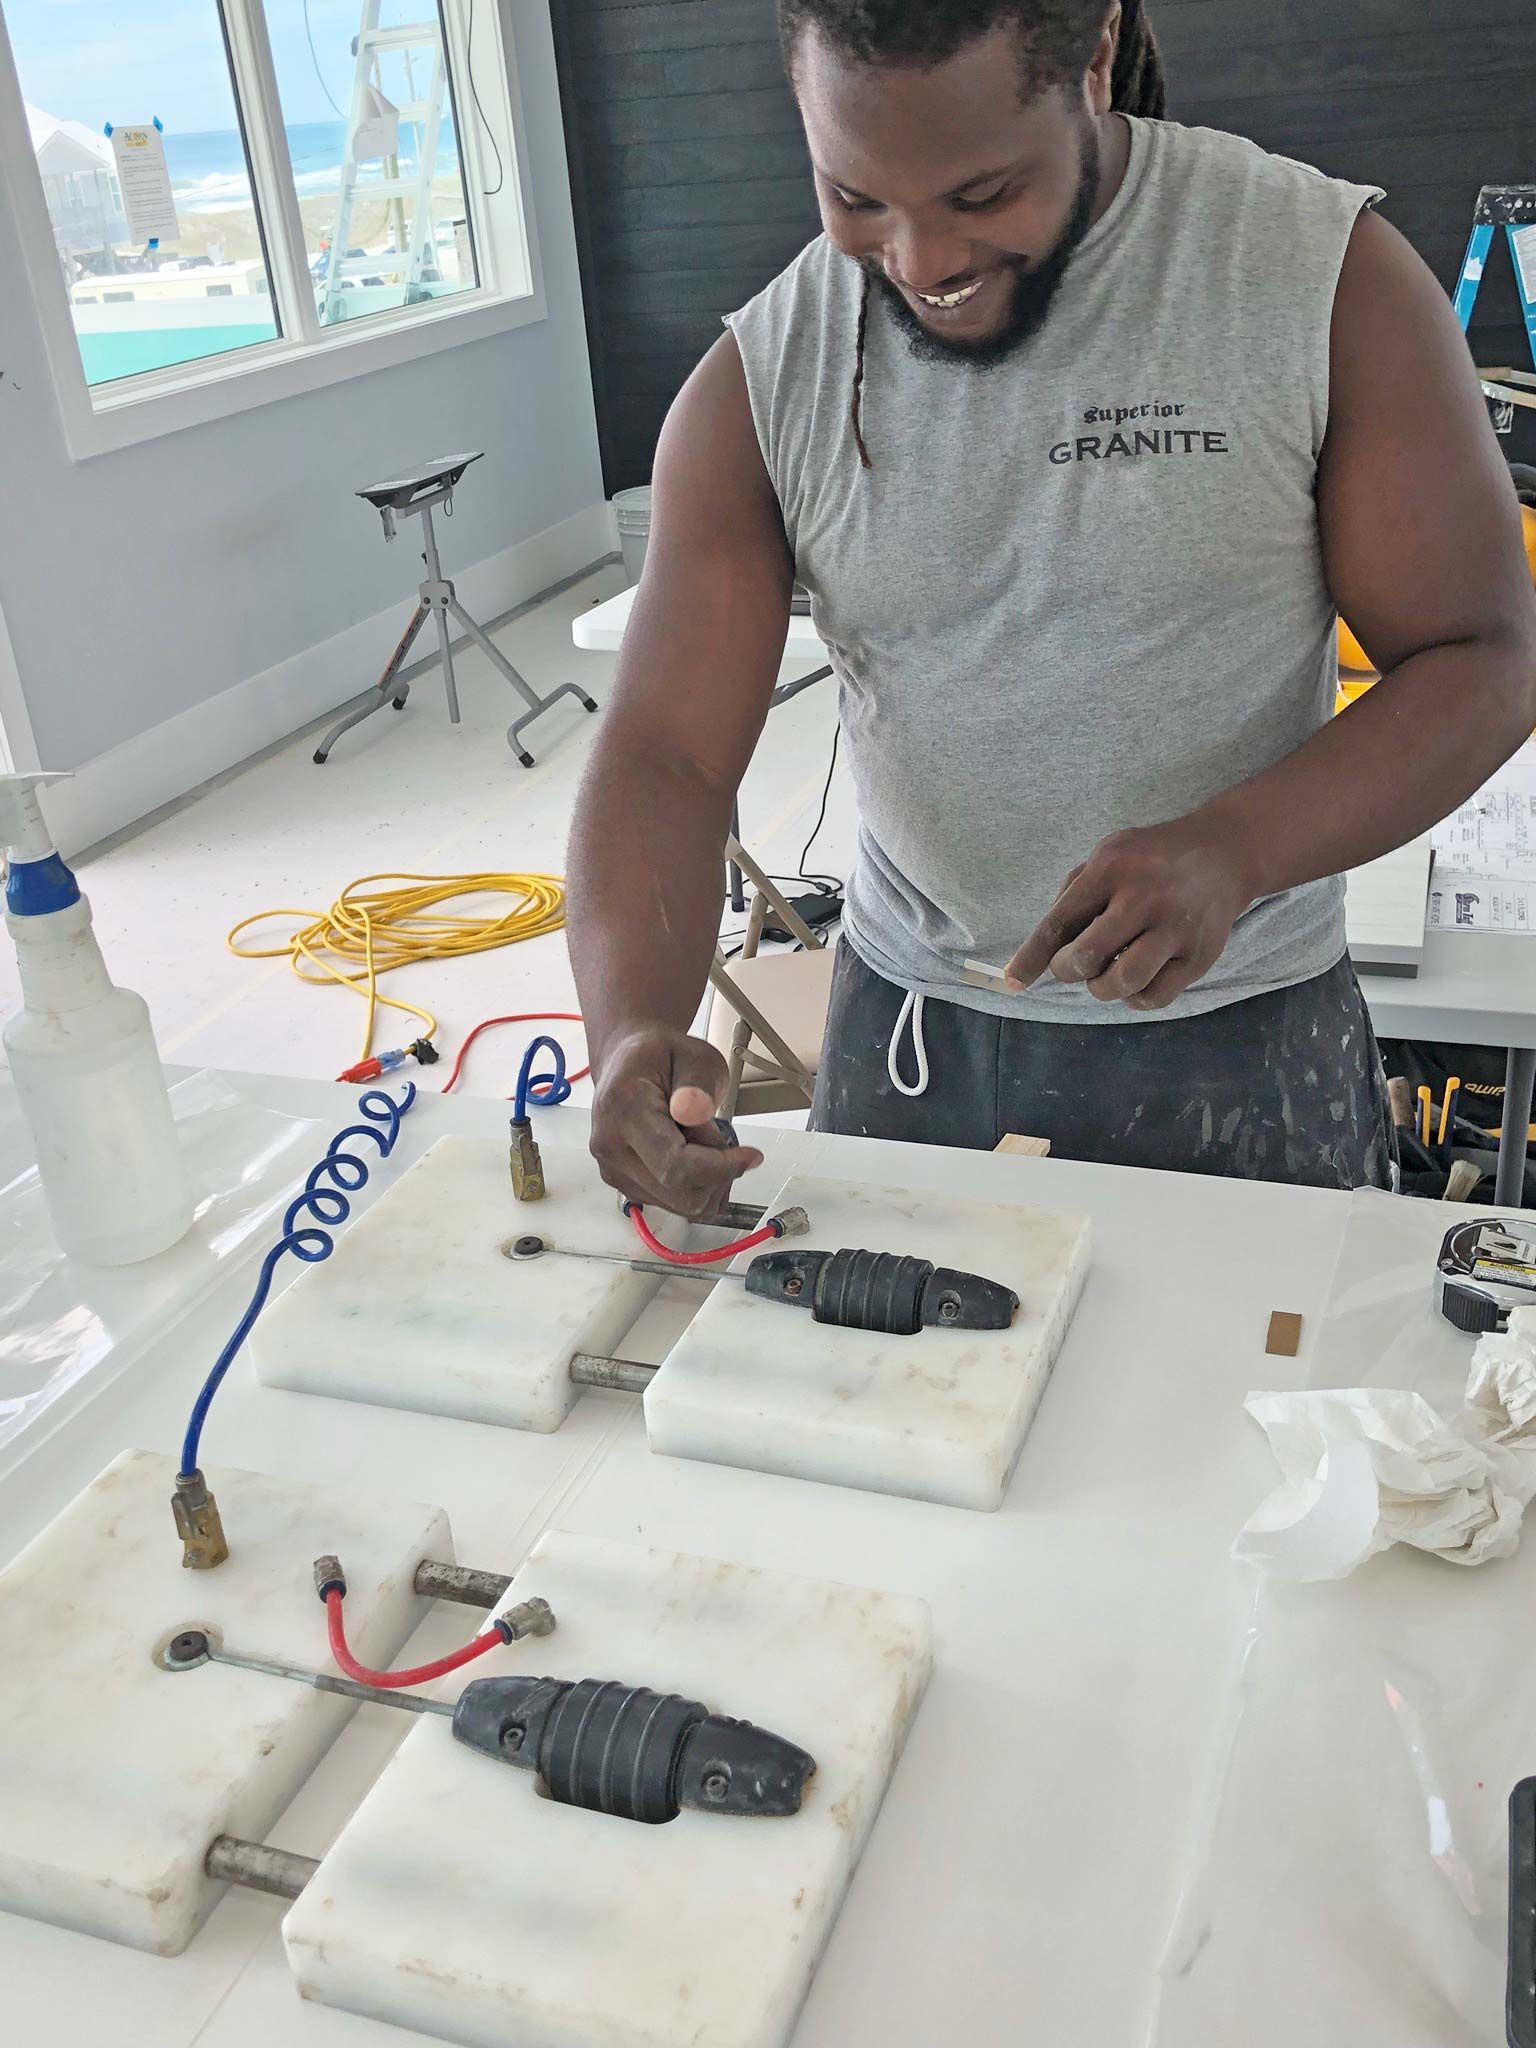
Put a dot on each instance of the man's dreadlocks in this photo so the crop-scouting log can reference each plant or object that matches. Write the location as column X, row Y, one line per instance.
column 1056, row 40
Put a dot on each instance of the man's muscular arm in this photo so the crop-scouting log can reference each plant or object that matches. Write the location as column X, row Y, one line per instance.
column 1422, row 550
column 701, row 654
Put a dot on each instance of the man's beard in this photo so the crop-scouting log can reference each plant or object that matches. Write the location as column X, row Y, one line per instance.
column 1035, row 285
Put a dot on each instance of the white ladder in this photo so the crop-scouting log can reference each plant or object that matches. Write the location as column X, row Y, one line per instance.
column 415, row 251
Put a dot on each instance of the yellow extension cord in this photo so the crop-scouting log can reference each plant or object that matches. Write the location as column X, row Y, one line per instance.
column 368, row 931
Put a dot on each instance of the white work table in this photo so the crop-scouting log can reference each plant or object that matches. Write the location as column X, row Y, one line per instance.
column 601, row 630
column 1022, row 1875
column 1479, row 987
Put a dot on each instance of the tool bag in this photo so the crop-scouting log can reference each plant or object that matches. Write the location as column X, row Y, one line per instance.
column 1477, row 1116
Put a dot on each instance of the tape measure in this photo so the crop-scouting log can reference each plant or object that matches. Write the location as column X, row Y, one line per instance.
column 1486, row 1267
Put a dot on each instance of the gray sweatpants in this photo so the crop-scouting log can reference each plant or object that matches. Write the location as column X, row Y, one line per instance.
column 1284, row 1087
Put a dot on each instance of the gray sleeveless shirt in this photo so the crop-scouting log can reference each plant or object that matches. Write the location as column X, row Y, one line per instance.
column 1083, row 589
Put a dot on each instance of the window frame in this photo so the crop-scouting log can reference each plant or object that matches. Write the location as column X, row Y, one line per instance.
column 305, row 356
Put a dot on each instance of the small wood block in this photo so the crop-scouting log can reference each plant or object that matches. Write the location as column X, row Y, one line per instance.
column 1024, row 1148
column 1284, row 1339
column 982, row 974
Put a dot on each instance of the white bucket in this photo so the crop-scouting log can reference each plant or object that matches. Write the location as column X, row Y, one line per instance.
column 632, row 513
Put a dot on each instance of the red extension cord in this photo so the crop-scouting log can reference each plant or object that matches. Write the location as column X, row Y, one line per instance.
column 520, row 1017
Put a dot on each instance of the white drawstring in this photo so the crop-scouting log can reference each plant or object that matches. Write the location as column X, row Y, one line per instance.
column 911, row 1010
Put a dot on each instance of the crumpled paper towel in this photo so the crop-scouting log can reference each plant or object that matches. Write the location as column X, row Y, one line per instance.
column 1501, row 1387
column 1366, row 1467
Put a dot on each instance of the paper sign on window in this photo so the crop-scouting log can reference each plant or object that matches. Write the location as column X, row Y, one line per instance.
column 139, row 151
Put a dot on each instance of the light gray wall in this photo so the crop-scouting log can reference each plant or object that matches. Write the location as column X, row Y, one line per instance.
column 140, row 583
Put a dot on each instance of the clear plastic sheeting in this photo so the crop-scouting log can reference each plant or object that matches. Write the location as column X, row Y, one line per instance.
column 67, row 1329
column 1349, row 1877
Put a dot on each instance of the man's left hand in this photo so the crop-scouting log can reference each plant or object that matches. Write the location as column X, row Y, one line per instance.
column 1146, row 914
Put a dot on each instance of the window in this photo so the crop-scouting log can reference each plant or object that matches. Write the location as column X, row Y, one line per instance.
column 249, row 197
column 372, row 138
column 97, row 63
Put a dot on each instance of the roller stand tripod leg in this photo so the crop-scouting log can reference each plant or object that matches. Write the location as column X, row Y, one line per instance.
column 525, row 689
column 1509, row 1177
column 385, row 691
column 516, row 727
column 445, row 646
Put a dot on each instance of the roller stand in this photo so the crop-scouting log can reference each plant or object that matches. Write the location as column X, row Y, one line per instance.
column 411, row 497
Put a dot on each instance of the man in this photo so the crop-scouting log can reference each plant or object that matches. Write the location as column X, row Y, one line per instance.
column 1077, row 427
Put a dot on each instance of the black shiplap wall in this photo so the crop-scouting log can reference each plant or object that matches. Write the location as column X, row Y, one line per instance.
column 692, row 190
column 1430, row 98
column 691, row 186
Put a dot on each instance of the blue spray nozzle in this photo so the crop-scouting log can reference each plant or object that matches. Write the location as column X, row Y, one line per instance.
column 33, row 888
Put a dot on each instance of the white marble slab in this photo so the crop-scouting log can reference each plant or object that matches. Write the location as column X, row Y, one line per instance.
column 418, row 1306
column 459, row 1901
column 115, row 1776
column 939, row 1416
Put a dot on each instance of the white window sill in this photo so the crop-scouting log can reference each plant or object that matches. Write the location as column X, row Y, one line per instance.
column 136, row 409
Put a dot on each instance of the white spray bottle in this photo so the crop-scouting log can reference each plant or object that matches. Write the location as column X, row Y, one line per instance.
column 83, row 1058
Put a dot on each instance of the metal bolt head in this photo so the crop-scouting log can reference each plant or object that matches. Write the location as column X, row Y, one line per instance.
column 949, row 1307
column 186, row 1649
column 513, row 1737
column 716, row 1783
column 794, row 1284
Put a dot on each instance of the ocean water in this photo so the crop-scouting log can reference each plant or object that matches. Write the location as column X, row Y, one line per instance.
column 208, row 170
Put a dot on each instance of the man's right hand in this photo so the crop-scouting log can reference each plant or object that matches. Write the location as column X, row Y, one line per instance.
column 658, row 1092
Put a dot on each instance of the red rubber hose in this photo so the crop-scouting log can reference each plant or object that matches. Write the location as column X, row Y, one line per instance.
column 388, row 1680
column 520, row 1017
column 711, row 1257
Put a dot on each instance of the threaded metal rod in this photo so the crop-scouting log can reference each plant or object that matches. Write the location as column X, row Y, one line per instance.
column 739, row 1215
column 628, row 1375
column 327, row 1681
column 260, row 1869
column 457, row 1582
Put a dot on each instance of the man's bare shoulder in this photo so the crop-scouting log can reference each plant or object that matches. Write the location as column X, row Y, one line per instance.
column 709, row 465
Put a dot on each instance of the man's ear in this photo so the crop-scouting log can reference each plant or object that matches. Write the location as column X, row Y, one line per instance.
column 1097, row 83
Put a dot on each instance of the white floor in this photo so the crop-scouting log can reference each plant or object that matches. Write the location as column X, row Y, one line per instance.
column 403, row 793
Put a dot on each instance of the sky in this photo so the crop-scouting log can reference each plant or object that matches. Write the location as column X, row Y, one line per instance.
column 128, row 60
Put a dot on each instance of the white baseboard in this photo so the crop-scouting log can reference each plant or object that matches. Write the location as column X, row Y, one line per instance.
column 118, row 788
